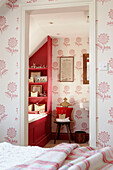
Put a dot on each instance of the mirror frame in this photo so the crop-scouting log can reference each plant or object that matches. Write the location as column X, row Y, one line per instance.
column 85, row 69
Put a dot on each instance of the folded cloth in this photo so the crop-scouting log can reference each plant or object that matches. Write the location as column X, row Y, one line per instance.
column 63, row 120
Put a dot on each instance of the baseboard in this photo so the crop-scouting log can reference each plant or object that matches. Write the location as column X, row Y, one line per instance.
column 42, row 141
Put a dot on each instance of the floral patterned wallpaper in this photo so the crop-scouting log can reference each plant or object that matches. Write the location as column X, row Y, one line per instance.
column 104, row 78
column 76, row 92
column 9, row 68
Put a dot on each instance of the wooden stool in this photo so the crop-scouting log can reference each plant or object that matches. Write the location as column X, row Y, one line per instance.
column 67, row 124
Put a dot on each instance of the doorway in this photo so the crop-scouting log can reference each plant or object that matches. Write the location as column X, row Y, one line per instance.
column 24, row 67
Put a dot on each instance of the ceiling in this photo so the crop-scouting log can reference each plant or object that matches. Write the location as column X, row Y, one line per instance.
column 60, row 23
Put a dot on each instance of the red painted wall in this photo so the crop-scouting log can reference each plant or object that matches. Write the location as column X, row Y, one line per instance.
column 39, row 57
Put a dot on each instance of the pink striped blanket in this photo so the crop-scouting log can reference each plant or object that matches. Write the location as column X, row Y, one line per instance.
column 72, row 157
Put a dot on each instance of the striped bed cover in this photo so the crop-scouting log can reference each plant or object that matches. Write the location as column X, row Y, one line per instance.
column 72, row 157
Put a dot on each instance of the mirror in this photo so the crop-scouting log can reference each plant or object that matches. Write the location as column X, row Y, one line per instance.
column 85, row 68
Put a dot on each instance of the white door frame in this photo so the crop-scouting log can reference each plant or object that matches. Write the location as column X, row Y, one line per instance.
column 24, row 46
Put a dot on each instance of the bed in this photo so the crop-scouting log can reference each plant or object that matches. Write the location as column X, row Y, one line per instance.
column 63, row 156
column 11, row 155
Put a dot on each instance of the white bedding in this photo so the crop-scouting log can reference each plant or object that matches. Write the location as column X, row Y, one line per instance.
column 11, row 155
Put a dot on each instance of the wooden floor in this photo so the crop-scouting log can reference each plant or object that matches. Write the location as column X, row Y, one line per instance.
column 51, row 143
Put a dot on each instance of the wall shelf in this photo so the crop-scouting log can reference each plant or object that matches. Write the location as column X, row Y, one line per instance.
column 37, row 83
column 43, row 57
column 34, row 112
column 37, row 69
column 44, row 97
column 40, row 130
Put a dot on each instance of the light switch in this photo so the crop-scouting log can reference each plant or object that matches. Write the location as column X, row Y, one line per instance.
column 103, row 66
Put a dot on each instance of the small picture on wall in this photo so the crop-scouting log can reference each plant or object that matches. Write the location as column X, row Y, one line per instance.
column 43, row 79
column 37, row 79
column 35, row 74
column 67, row 69
column 36, row 88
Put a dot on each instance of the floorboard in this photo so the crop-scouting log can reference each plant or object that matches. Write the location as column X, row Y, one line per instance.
column 51, row 144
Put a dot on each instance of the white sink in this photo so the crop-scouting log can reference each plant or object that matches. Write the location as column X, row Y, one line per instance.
column 84, row 105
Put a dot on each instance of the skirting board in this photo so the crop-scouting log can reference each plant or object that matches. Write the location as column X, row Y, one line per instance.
column 43, row 140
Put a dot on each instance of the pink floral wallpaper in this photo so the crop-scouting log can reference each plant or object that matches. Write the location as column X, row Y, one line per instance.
column 74, row 91
column 104, row 78
column 9, row 69
column 3, row 25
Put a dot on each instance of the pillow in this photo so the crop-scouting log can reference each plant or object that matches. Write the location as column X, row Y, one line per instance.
column 39, row 107
column 34, row 94
column 30, row 107
column 64, row 110
column 62, row 116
